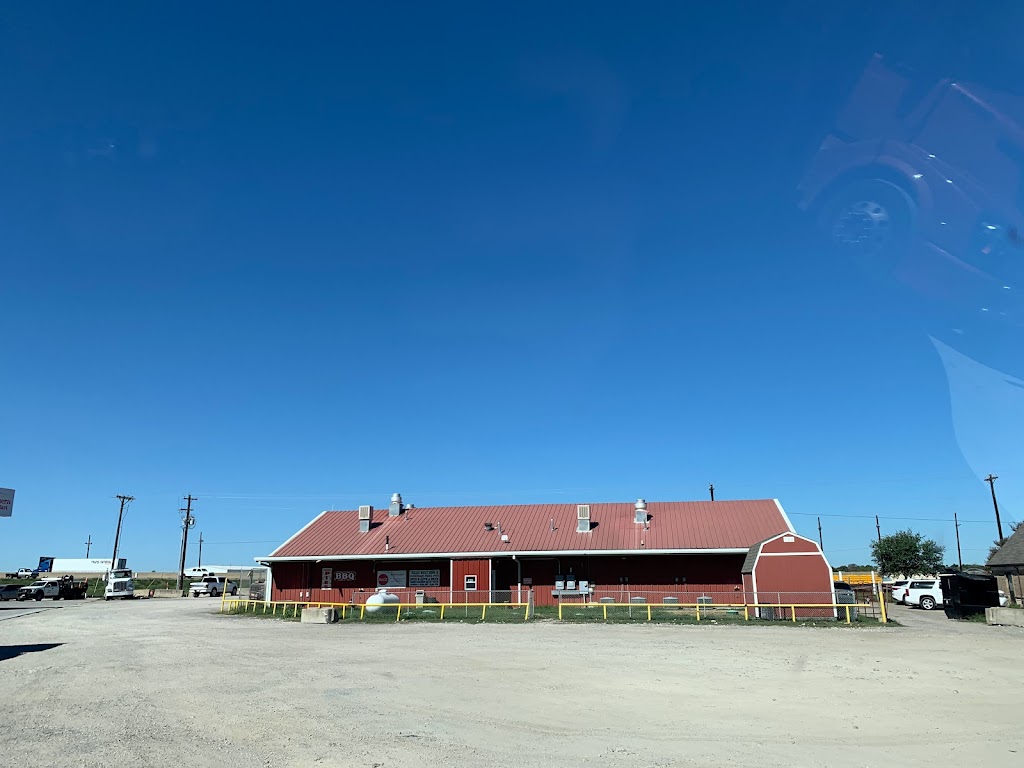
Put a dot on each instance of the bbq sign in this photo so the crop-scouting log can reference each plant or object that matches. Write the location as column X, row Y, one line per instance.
column 6, row 502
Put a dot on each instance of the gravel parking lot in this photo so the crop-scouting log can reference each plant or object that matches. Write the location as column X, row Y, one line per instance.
column 170, row 682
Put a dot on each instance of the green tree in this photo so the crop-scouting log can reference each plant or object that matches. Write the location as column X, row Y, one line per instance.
column 907, row 553
column 998, row 543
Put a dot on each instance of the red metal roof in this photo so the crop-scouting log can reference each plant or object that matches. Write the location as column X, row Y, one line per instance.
column 673, row 525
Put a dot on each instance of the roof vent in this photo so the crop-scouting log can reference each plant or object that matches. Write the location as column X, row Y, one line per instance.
column 365, row 518
column 396, row 505
column 583, row 518
column 641, row 511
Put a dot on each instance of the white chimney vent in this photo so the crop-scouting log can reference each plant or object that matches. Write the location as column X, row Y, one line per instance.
column 641, row 511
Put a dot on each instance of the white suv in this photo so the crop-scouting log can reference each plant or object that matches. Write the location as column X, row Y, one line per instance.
column 924, row 593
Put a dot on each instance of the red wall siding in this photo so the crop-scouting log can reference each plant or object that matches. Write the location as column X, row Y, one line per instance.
column 479, row 568
column 794, row 578
column 797, row 545
column 302, row 581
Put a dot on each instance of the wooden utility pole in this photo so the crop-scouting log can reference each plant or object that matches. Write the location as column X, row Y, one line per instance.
column 878, row 528
column 187, row 521
column 88, row 546
column 200, row 549
column 991, row 480
column 959, row 557
column 125, row 501
column 711, row 488
column 820, row 542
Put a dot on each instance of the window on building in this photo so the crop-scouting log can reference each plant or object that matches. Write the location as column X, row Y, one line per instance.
column 470, row 582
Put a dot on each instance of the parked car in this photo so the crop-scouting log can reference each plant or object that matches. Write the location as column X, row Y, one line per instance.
column 897, row 589
column 214, row 586
column 925, row 593
column 9, row 592
column 27, row 573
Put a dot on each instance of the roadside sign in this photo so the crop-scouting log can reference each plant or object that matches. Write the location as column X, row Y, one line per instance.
column 6, row 502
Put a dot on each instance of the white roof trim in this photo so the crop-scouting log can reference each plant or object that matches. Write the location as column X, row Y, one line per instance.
column 392, row 555
column 295, row 535
column 784, row 515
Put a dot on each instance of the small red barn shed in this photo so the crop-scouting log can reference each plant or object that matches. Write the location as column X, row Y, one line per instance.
column 789, row 569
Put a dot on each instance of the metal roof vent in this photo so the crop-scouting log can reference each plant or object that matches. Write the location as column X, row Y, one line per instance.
column 641, row 511
column 365, row 518
column 583, row 518
column 396, row 505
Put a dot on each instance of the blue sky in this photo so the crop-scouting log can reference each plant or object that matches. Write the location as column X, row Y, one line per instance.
column 288, row 262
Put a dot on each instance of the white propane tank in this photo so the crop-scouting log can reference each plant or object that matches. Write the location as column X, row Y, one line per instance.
column 375, row 602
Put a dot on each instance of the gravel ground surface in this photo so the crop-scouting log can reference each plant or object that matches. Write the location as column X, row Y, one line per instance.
column 172, row 683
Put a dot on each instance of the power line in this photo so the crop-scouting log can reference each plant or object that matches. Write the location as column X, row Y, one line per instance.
column 872, row 517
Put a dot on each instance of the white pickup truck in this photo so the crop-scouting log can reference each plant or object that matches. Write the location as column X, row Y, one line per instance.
column 214, row 586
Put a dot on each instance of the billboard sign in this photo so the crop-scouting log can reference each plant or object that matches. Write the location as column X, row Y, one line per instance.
column 6, row 502
column 425, row 578
column 391, row 578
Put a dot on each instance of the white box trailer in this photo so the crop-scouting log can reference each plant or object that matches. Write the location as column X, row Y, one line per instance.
column 83, row 565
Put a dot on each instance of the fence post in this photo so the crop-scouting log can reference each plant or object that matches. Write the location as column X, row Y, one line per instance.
column 648, row 611
column 362, row 611
column 698, row 611
column 792, row 610
column 483, row 613
column 398, row 615
column 746, row 612
column 604, row 606
column 847, row 614
column 442, row 612
column 559, row 610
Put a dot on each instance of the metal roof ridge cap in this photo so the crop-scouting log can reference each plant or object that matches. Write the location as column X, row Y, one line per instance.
column 508, row 553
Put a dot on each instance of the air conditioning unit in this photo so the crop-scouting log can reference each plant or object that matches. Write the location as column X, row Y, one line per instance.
column 583, row 518
column 365, row 512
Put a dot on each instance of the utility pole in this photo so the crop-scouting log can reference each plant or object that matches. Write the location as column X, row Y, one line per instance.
column 187, row 521
column 959, row 557
column 711, row 487
column 991, row 480
column 125, row 501
column 88, row 546
column 200, row 549
column 820, row 542
column 878, row 528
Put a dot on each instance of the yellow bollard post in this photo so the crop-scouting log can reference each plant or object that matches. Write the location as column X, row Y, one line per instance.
column 362, row 611
column 442, row 611
column 847, row 614
column 605, row 607
column 398, row 615
column 483, row 613
column 792, row 610
column 559, row 611
column 648, row 611
column 698, row 611
column 881, row 606
column 746, row 612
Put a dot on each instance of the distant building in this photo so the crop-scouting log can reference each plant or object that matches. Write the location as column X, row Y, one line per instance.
column 1008, row 561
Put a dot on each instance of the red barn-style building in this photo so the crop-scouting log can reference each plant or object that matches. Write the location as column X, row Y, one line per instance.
column 681, row 550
